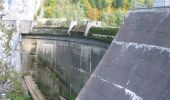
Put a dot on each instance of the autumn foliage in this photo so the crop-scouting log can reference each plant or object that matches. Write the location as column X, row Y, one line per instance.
column 93, row 13
column 106, row 11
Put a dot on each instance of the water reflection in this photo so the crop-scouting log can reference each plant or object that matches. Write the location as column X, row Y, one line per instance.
column 60, row 68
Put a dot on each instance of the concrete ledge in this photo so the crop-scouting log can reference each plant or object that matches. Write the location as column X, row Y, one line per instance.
column 65, row 38
column 72, row 24
column 91, row 24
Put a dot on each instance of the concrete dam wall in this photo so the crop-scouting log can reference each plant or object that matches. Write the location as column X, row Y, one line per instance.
column 137, row 64
column 72, row 61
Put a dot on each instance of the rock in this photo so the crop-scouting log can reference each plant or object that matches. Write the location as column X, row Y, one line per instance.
column 5, row 86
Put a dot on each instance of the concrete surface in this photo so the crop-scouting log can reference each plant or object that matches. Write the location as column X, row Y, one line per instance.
column 137, row 64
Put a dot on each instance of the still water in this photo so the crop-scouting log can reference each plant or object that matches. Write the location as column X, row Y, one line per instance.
column 60, row 67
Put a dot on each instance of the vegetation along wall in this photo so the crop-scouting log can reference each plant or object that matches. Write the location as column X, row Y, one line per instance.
column 111, row 12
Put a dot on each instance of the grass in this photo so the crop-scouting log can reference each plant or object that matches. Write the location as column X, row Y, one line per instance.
column 13, row 96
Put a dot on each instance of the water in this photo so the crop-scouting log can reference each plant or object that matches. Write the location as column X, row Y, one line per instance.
column 60, row 68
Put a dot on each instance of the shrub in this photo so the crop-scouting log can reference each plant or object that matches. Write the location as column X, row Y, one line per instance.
column 48, row 23
column 103, row 31
column 102, row 34
column 93, row 13
column 15, row 92
column 99, row 4
column 50, row 8
column 114, row 19
column 48, row 11
column 117, row 3
column 106, row 39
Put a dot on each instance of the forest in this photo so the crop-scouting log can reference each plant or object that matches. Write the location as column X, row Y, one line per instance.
column 111, row 12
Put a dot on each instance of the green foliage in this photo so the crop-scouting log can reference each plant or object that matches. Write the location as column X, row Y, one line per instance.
column 17, row 92
column 103, row 31
column 107, row 39
column 72, row 98
column 118, row 18
column 14, row 96
column 93, row 3
column 114, row 19
column 111, row 12
column 99, row 4
column 48, row 23
column 102, row 34
column 50, row 8
column 80, row 9
column 75, row 1
column 117, row 3
column 69, row 10
column 49, row 12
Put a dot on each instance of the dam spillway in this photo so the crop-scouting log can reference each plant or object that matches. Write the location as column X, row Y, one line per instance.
column 60, row 65
column 136, row 65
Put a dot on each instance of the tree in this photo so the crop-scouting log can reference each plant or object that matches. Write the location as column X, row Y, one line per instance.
column 50, row 8
column 93, row 13
column 117, row 3
column 75, row 1
column 48, row 11
column 92, row 3
column 99, row 4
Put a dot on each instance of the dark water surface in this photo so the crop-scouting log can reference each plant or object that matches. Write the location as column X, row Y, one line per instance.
column 60, row 67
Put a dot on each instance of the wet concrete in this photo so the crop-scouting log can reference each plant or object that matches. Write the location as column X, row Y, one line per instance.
column 60, row 65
